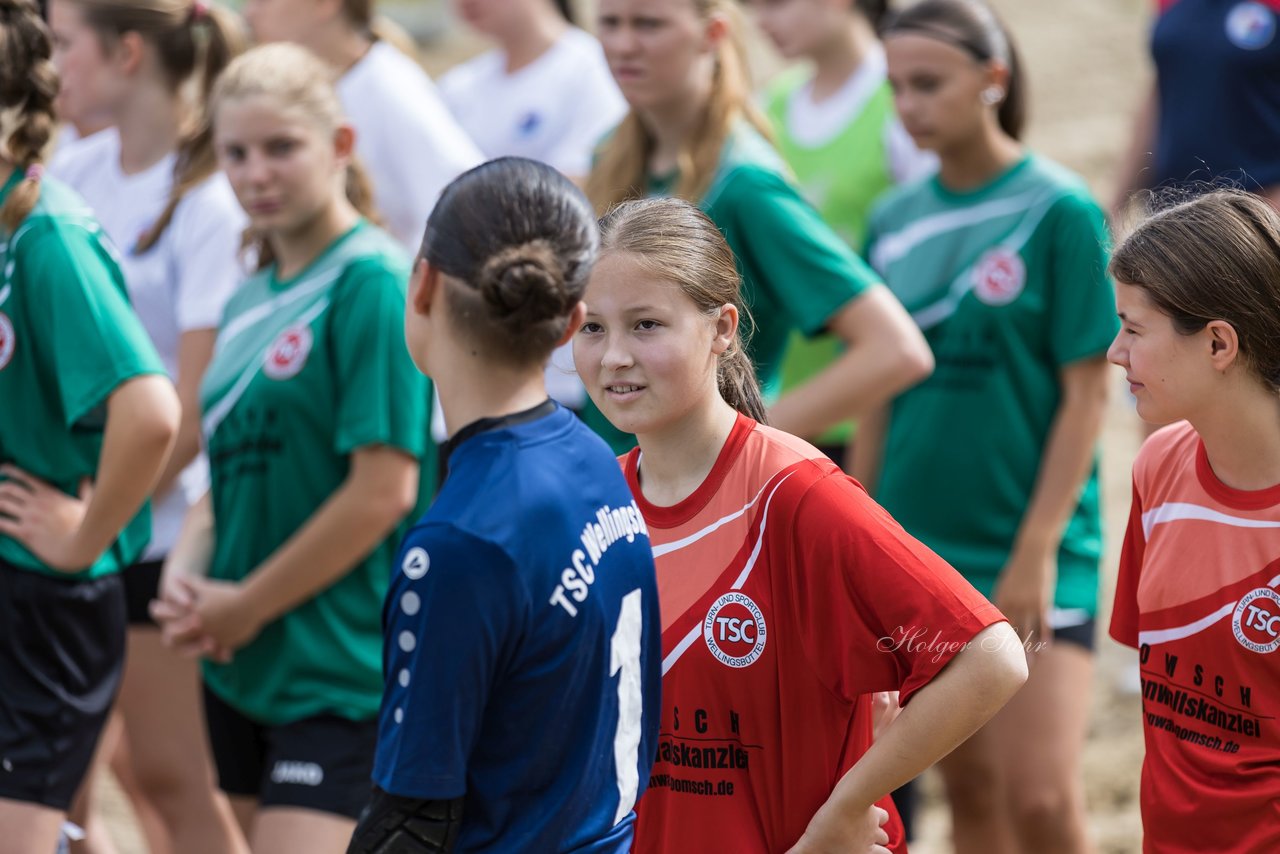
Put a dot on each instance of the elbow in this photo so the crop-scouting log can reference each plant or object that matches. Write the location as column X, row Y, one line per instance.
column 393, row 500
column 913, row 360
column 159, row 415
column 1007, row 669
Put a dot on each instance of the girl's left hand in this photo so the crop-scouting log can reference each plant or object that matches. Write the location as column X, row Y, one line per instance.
column 226, row 617
column 1024, row 593
column 44, row 519
column 830, row 832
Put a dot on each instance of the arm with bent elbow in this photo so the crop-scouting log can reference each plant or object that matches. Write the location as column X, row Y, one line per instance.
column 885, row 354
column 966, row 694
column 68, row 533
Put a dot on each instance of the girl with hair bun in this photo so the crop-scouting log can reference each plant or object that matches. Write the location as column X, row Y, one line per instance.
column 522, row 646
column 1198, row 294
column 693, row 133
column 152, row 180
column 316, row 427
column 788, row 598
column 86, row 427
column 1001, row 259
column 403, row 126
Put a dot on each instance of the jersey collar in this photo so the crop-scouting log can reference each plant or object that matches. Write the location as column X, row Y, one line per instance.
column 484, row 425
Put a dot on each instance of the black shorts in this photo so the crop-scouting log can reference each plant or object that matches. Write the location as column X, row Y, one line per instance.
column 141, row 585
column 1077, row 633
column 322, row 763
column 61, row 658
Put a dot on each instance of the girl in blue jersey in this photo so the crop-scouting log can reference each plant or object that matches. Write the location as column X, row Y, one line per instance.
column 522, row 636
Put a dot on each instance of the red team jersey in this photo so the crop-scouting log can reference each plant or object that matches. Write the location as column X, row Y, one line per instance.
column 1197, row 596
column 787, row 597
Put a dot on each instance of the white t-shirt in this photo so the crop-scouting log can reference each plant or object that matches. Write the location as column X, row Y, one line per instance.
column 181, row 284
column 555, row 109
column 816, row 123
column 406, row 138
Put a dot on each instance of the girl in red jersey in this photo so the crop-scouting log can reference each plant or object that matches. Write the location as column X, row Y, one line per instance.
column 1198, row 293
column 788, row 597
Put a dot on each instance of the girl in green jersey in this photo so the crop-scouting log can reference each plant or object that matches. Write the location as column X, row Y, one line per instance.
column 692, row 132
column 1001, row 259
column 316, row 426
column 86, row 425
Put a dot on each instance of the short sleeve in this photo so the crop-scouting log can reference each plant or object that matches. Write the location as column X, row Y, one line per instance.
column 1124, row 611
column 95, row 340
column 454, row 618
column 790, row 254
column 382, row 398
column 879, row 611
column 208, row 229
column 1082, row 301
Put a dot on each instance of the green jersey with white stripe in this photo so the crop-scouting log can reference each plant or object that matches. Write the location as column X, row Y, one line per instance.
column 68, row 338
column 304, row 372
column 1009, row 284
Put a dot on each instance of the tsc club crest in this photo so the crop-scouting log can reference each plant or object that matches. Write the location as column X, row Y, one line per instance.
column 1256, row 620
column 1251, row 25
column 7, row 340
column 288, row 353
column 734, row 630
column 999, row 276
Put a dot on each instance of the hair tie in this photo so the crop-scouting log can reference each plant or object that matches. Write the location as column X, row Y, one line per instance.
column 199, row 11
column 35, row 172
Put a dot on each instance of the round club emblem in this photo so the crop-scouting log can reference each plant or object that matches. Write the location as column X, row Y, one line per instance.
column 416, row 563
column 7, row 340
column 288, row 353
column 1251, row 25
column 734, row 630
column 1256, row 621
column 999, row 276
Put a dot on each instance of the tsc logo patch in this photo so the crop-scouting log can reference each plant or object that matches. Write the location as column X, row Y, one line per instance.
column 7, row 340
column 1256, row 620
column 288, row 353
column 999, row 276
column 735, row 630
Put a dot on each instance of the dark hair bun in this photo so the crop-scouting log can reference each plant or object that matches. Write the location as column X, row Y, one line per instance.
column 524, row 284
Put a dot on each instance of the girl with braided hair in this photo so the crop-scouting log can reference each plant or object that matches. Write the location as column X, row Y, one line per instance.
column 152, row 181
column 78, row 457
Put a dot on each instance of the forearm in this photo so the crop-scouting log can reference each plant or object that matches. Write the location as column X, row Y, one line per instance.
column 885, row 354
column 195, row 350
column 185, row 448
column 953, row 706
column 341, row 533
column 192, row 552
column 1067, row 459
column 142, row 420
column 868, row 448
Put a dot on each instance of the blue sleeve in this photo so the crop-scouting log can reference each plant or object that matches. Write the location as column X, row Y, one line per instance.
column 455, row 614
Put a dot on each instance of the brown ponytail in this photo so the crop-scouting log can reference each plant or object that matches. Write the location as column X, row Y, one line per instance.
column 28, row 86
column 678, row 243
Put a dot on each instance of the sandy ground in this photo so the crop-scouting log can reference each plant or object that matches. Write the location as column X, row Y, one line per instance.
column 1087, row 67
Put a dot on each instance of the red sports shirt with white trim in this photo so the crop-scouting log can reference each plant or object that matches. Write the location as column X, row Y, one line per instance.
column 788, row 597
column 1197, row 596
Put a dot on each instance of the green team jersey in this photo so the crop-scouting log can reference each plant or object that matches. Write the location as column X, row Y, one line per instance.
column 68, row 338
column 304, row 372
column 796, row 273
column 841, row 177
column 1009, row 284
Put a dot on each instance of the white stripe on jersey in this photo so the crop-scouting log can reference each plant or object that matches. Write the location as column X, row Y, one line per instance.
column 1180, row 632
column 315, row 282
column 1176, row 511
column 676, row 545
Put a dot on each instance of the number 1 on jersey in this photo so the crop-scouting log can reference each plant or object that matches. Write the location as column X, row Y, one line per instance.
column 624, row 652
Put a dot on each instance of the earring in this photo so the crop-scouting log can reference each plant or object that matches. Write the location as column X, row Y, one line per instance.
column 992, row 95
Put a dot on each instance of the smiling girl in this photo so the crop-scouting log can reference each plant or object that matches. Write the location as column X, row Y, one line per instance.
column 1198, row 293
column 693, row 133
column 315, row 421
column 1001, row 259
column 787, row 596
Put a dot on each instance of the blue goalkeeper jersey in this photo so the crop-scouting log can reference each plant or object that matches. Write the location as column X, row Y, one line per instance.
column 523, row 642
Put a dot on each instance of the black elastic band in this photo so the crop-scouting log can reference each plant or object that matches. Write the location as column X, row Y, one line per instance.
column 483, row 425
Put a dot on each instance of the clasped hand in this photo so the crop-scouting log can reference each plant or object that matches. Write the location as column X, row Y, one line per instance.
column 205, row 617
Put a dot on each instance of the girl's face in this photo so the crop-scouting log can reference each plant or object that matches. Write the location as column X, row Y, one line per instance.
column 657, row 49
column 937, row 90
column 284, row 168
column 91, row 84
column 799, row 28
column 646, row 353
column 281, row 20
column 1170, row 374
column 488, row 16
